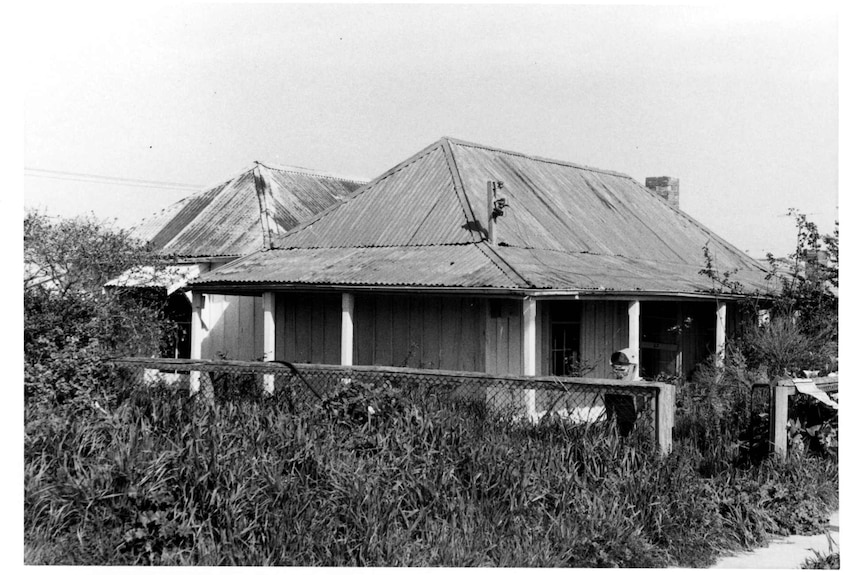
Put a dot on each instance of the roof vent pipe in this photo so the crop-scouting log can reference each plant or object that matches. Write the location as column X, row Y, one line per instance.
column 496, row 204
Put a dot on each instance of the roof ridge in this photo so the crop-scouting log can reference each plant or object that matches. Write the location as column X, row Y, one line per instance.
column 356, row 193
column 261, row 186
column 460, row 192
column 311, row 172
column 163, row 210
column 726, row 244
column 500, row 262
column 466, row 144
column 225, row 181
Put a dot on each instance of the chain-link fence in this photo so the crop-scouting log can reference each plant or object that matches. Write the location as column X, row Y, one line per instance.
column 632, row 406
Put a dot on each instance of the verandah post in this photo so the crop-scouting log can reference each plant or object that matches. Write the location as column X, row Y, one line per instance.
column 529, row 353
column 347, row 302
column 269, row 339
column 634, row 337
column 720, row 333
column 197, row 339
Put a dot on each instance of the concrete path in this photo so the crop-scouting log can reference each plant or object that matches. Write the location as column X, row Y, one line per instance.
column 784, row 552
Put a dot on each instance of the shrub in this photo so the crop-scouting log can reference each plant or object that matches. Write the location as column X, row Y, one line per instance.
column 71, row 323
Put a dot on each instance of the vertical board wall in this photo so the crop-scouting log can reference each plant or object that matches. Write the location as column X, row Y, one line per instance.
column 233, row 327
column 308, row 328
column 431, row 332
column 604, row 329
column 504, row 346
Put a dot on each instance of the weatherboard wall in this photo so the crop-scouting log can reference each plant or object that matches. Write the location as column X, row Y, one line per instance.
column 233, row 327
column 308, row 328
column 604, row 329
column 434, row 332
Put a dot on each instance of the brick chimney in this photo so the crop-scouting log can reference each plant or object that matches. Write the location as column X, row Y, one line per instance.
column 666, row 187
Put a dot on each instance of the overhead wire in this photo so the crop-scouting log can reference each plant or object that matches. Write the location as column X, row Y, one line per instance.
column 98, row 179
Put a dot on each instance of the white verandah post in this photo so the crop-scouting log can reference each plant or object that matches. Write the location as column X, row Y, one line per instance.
column 634, row 337
column 347, row 302
column 720, row 332
column 197, row 339
column 269, row 339
column 529, row 353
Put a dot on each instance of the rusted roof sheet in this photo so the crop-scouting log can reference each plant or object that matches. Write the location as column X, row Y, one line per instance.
column 567, row 227
column 439, row 266
column 239, row 216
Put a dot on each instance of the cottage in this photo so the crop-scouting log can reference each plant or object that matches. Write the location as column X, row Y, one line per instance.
column 467, row 257
column 214, row 227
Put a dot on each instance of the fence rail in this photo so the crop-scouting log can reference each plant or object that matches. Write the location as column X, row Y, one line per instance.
column 644, row 406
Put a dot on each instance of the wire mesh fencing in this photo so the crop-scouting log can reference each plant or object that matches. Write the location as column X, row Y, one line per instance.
column 642, row 407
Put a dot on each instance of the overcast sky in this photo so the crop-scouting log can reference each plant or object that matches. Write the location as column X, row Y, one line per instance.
column 743, row 108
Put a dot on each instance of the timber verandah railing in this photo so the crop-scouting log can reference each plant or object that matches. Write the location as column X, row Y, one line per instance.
column 634, row 406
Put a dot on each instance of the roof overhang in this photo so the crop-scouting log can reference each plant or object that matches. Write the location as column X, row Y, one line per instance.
column 170, row 278
column 260, row 288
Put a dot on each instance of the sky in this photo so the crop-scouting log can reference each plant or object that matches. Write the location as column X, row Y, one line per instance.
column 741, row 106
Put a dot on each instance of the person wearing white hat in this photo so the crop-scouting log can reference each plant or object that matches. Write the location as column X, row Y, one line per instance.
column 621, row 406
column 623, row 364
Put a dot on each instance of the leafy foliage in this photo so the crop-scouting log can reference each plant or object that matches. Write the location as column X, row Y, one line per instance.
column 70, row 321
column 799, row 330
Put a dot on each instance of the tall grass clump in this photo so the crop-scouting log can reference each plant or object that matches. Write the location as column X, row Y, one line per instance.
column 384, row 476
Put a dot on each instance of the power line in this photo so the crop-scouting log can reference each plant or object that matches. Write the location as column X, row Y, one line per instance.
column 98, row 179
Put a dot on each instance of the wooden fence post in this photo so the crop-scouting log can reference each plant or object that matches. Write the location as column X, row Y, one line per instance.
column 778, row 418
column 664, row 417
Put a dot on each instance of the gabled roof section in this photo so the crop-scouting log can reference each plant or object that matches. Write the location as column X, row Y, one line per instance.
column 243, row 214
column 568, row 227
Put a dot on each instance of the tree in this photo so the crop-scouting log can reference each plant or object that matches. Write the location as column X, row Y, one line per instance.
column 809, row 290
column 71, row 321
column 802, row 332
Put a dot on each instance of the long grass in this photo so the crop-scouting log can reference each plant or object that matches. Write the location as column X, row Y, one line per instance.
column 155, row 478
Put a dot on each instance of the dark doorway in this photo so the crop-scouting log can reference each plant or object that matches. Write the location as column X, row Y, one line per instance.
column 178, row 342
column 565, row 333
column 660, row 340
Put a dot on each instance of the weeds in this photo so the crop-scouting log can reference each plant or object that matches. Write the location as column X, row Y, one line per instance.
column 385, row 476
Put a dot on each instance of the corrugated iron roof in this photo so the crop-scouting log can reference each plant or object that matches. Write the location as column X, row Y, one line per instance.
column 439, row 266
column 567, row 227
column 415, row 204
column 239, row 216
column 546, row 269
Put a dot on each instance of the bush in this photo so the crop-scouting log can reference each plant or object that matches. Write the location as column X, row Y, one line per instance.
column 799, row 331
column 71, row 322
